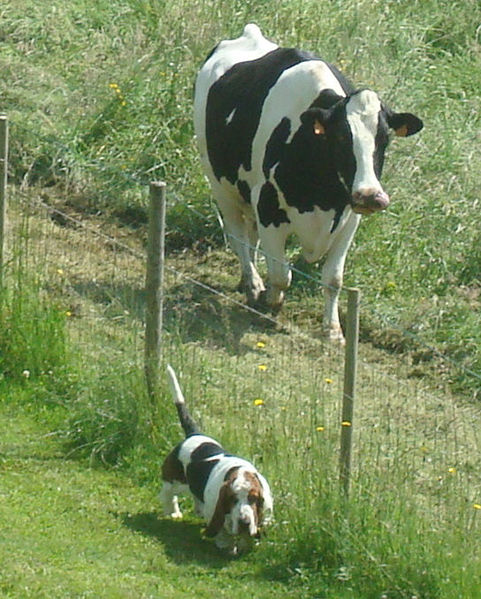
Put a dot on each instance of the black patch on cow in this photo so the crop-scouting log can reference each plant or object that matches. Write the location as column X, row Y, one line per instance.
column 307, row 174
column 268, row 207
column 234, row 106
column 276, row 145
column 244, row 190
column 326, row 99
column 382, row 141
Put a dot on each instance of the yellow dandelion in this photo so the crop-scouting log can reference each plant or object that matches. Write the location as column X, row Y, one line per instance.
column 477, row 506
column 59, row 271
column 113, row 86
column 328, row 381
column 319, row 429
column 258, row 402
column 262, row 367
column 68, row 313
column 452, row 470
column 260, row 344
column 346, row 423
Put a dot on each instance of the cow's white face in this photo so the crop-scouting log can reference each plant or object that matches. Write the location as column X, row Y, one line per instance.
column 363, row 112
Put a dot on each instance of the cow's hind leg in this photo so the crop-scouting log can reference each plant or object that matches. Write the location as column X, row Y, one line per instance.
column 240, row 234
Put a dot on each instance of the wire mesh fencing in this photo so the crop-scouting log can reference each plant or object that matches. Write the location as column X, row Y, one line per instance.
column 280, row 385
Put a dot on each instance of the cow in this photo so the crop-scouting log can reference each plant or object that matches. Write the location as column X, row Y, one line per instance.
column 290, row 146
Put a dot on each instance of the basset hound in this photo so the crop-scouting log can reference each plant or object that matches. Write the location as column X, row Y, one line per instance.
column 229, row 493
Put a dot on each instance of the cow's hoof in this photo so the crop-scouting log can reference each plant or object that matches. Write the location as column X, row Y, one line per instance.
column 254, row 297
column 335, row 336
column 266, row 305
column 253, row 290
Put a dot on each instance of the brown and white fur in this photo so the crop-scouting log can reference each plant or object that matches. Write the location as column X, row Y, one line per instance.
column 230, row 494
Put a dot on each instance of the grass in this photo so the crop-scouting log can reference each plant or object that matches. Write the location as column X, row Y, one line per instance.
column 415, row 478
column 98, row 110
column 71, row 531
column 99, row 98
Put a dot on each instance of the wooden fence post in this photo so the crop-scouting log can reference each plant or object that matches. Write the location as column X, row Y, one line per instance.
column 154, row 291
column 3, row 190
column 350, row 372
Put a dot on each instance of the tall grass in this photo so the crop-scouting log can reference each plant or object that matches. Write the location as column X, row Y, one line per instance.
column 100, row 99
column 390, row 537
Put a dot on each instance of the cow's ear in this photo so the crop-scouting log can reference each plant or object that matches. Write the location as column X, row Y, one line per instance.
column 315, row 120
column 318, row 128
column 327, row 99
column 404, row 123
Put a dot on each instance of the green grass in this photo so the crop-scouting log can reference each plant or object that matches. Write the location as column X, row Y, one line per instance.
column 99, row 96
column 79, row 451
column 100, row 100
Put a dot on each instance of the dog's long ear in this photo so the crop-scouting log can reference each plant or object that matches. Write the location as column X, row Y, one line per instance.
column 223, row 506
column 268, row 507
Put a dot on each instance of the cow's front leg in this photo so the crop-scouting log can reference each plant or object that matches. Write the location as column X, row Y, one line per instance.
column 332, row 279
column 273, row 241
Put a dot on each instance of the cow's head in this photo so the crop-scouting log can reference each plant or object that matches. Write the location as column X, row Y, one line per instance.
column 356, row 129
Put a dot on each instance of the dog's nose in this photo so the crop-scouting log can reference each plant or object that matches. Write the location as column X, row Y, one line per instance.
column 243, row 526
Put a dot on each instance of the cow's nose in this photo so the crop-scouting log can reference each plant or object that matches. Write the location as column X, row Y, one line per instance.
column 369, row 200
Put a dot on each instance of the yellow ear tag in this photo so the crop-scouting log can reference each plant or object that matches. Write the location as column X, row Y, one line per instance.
column 318, row 128
column 402, row 131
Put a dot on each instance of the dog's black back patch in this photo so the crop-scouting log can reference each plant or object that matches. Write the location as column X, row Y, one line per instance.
column 202, row 461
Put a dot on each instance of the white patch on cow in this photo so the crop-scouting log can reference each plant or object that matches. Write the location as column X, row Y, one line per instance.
column 313, row 229
column 249, row 46
column 301, row 84
column 363, row 116
column 230, row 117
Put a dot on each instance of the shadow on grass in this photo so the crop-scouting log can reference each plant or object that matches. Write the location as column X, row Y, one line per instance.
column 181, row 539
column 196, row 314
column 193, row 313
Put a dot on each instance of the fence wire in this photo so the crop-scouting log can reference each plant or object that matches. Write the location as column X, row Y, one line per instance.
column 283, row 382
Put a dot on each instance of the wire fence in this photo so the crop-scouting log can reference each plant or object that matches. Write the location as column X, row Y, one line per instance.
column 408, row 438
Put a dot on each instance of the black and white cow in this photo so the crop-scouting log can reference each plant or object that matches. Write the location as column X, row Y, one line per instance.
column 290, row 146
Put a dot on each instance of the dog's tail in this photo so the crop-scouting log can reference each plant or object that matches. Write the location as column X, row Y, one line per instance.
column 188, row 424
